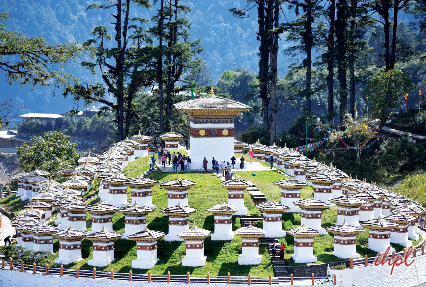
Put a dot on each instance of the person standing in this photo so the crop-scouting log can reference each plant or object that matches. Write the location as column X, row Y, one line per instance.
column 213, row 164
column 160, row 152
column 169, row 156
column 153, row 161
column 274, row 250
column 271, row 160
column 217, row 166
column 182, row 164
column 233, row 159
column 282, row 251
column 230, row 173
column 163, row 160
column 250, row 155
column 175, row 163
column 150, row 163
column 205, row 164
column 188, row 162
column 242, row 162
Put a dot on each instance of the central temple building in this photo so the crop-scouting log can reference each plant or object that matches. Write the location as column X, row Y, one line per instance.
column 211, row 127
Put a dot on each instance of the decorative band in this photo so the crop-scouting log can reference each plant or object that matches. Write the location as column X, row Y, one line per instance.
column 42, row 241
column 366, row 208
column 303, row 244
column 385, row 206
column 322, row 190
column 299, row 172
column 347, row 213
column 212, row 132
column 178, row 222
column 141, row 147
column 377, row 205
column 141, row 194
column 77, row 218
column 222, row 221
column 106, row 186
column 101, row 220
column 236, row 195
column 195, row 246
column 178, row 196
column 69, row 247
column 250, row 244
column 171, row 146
column 147, row 247
column 103, row 248
column 288, row 167
column 117, row 191
column 27, row 239
column 261, row 157
column 337, row 187
column 316, row 215
column 379, row 236
column 290, row 195
column 272, row 218
column 344, row 242
column 135, row 221
column 399, row 230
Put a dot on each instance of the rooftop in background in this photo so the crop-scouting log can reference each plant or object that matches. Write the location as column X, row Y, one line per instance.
column 38, row 115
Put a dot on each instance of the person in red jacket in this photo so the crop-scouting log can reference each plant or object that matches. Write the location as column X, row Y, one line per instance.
column 250, row 155
column 282, row 250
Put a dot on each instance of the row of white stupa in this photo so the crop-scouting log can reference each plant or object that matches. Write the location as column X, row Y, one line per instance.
column 328, row 183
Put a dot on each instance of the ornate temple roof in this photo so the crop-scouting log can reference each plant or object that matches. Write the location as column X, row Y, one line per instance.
column 311, row 203
column 102, row 208
column 24, row 220
column 323, row 179
column 146, row 235
column 290, row 183
column 44, row 197
column 39, row 172
column 88, row 159
column 34, row 179
column 141, row 138
column 38, row 205
column 238, row 143
column 130, row 142
column 35, row 213
column 118, row 179
column 272, row 207
column 250, row 232
column 303, row 232
column 345, row 229
column 75, row 207
column 179, row 210
column 178, row 184
column 368, row 196
column 26, row 226
column 348, row 201
column 20, row 176
column 212, row 105
column 173, row 136
column 136, row 209
column 103, row 236
column 379, row 224
column 296, row 162
column 75, row 183
column 401, row 218
column 43, row 229
column 141, row 182
column 194, row 233
column 235, row 184
column 69, row 234
column 67, row 172
column 223, row 209
column 86, row 169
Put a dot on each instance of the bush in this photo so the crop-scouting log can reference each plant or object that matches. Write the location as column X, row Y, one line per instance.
column 252, row 134
column 339, row 267
column 20, row 254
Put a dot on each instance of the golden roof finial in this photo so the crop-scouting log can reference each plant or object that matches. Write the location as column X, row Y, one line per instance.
column 285, row 145
column 258, row 141
column 103, row 228
column 211, row 92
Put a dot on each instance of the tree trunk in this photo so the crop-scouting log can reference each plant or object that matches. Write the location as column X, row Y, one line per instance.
column 263, row 63
column 354, row 4
column 330, row 60
column 308, row 50
column 386, row 31
column 341, row 24
column 120, row 77
column 395, row 26
column 274, row 76
column 160, row 68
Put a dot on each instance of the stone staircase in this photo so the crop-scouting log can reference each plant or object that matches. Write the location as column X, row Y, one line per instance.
column 256, row 195
column 280, row 268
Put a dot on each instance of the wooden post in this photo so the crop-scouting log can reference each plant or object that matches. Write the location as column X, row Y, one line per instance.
column 270, row 279
column 11, row 265
column 149, row 276
column 188, row 278
column 249, row 279
column 61, row 271
column 2, row 264
column 393, row 255
column 423, row 249
column 130, row 275
column 351, row 263
column 77, row 272
column 415, row 252
column 22, row 267
column 335, row 280
column 94, row 272
column 366, row 260
column 208, row 277
column 112, row 274
column 168, row 276
column 10, row 192
column 229, row 278
column 47, row 269
column 291, row 279
column 34, row 268
column 313, row 278
column 1, row 194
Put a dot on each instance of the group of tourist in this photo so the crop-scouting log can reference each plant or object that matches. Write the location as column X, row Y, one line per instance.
column 164, row 155
column 224, row 167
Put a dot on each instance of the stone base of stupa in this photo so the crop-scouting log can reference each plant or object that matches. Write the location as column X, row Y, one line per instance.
column 346, row 249
column 238, row 202
column 243, row 259
column 222, row 236
column 401, row 239
column 412, row 232
column 68, row 259
column 144, row 264
column 275, row 233
column 304, row 259
column 379, row 245
column 194, row 262
column 101, row 258
column 174, row 230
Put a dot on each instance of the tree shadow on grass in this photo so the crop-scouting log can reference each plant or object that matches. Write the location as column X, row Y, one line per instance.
column 118, row 224
column 209, row 222
column 122, row 247
column 160, row 224
column 168, row 252
column 212, row 248
column 234, row 269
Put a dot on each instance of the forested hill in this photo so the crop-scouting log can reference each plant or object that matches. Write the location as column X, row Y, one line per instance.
column 228, row 42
